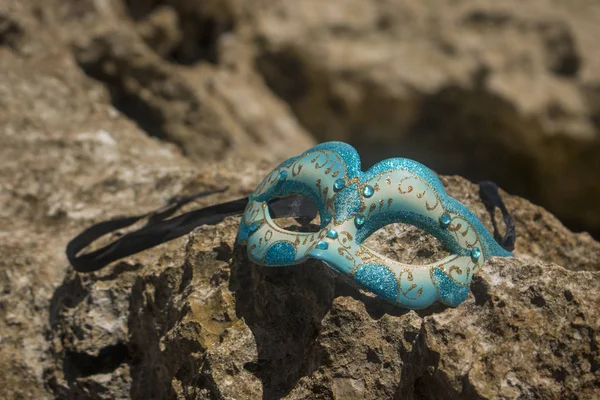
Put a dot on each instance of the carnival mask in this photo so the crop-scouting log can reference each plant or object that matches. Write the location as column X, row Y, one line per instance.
column 352, row 206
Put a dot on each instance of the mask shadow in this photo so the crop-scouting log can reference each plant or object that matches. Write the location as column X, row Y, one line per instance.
column 284, row 308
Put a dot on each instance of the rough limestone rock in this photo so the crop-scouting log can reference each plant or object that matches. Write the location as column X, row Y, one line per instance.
column 202, row 321
column 193, row 318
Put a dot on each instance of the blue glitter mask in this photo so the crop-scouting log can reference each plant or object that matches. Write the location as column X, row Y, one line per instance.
column 353, row 205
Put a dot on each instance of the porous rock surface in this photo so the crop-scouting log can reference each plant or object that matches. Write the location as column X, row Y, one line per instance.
column 204, row 322
column 193, row 318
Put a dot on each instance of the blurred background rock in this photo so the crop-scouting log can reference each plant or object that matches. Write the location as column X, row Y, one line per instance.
column 508, row 92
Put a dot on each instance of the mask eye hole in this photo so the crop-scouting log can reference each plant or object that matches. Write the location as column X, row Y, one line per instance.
column 407, row 244
column 295, row 213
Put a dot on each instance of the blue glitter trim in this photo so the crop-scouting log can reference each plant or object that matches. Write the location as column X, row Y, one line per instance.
column 451, row 293
column 394, row 164
column 346, row 203
column 245, row 230
column 429, row 225
column 378, row 279
column 281, row 254
column 344, row 150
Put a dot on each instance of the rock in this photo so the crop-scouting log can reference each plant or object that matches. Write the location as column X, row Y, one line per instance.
column 161, row 31
column 208, row 323
column 149, row 60
column 203, row 321
column 67, row 160
column 537, row 336
column 11, row 33
column 486, row 92
column 444, row 84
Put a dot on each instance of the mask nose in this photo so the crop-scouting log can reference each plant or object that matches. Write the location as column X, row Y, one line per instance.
column 326, row 251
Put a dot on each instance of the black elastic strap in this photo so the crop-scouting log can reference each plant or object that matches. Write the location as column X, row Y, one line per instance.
column 488, row 192
column 158, row 230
